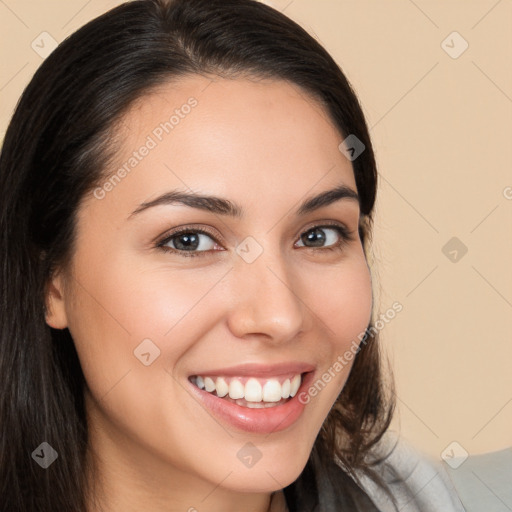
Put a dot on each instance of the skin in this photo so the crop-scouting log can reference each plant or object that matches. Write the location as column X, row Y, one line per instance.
column 267, row 146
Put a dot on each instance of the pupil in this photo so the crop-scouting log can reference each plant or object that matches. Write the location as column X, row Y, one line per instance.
column 315, row 236
column 187, row 241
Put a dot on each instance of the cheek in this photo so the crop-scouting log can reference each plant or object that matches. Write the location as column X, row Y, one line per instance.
column 342, row 300
column 343, row 307
column 130, row 302
column 118, row 305
column 113, row 311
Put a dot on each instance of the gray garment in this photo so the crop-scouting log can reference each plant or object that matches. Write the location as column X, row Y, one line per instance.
column 324, row 487
column 417, row 484
column 484, row 482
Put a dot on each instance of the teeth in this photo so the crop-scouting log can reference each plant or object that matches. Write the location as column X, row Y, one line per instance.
column 294, row 385
column 253, row 391
column 272, row 391
column 285, row 389
column 255, row 405
column 221, row 387
column 200, row 382
column 258, row 393
column 209, row 385
column 236, row 389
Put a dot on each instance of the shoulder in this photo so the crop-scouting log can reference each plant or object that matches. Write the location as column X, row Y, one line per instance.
column 416, row 481
column 484, row 479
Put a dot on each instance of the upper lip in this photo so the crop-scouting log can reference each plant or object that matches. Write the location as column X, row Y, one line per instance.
column 260, row 370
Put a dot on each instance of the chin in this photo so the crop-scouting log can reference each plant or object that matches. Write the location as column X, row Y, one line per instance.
column 269, row 473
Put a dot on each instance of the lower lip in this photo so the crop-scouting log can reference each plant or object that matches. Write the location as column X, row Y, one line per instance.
column 264, row 421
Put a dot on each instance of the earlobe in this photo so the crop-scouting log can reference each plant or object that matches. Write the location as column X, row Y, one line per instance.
column 55, row 305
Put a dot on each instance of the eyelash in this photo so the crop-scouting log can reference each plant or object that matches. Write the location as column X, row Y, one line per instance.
column 345, row 237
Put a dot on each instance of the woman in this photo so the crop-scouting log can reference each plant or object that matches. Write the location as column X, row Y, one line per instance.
column 188, row 189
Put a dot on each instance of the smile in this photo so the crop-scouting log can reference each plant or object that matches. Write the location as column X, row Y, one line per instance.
column 259, row 404
column 251, row 392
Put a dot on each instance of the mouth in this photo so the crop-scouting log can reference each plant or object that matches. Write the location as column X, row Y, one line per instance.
column 251, row 392
column 251, row 402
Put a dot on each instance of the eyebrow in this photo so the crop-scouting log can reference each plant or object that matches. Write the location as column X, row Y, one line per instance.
column 222, row 206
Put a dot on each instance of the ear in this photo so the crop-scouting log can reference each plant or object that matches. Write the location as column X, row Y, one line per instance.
column 55, row 304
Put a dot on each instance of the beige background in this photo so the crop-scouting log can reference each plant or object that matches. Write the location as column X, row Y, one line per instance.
column 442, row 129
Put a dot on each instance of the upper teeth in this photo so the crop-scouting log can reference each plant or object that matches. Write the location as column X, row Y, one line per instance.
column 254, row 390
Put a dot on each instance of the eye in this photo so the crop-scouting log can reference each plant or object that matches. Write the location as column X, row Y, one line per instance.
column 193, row 241
column 189, row 242
column 328, row 237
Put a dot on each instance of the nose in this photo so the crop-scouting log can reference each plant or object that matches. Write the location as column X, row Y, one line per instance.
column 266, row 300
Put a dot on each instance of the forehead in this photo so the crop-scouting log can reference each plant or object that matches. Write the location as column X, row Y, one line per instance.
column 248, row 138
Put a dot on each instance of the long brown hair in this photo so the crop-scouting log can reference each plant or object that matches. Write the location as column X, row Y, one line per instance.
column 56, row 150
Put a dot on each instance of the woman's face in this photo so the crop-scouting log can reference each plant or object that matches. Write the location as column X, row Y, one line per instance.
column 258, row 297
